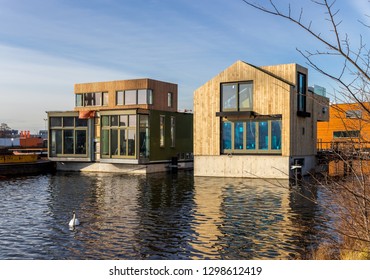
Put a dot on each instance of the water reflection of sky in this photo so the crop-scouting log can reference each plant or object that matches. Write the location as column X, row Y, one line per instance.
column 161, row 216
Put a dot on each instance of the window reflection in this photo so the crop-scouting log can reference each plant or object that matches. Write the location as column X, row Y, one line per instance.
column 263, row 136
column 276, row 135
column 251, row 135
column 226, row 135
column 238, row 135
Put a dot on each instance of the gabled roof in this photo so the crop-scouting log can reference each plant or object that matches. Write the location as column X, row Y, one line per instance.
column 269, row 73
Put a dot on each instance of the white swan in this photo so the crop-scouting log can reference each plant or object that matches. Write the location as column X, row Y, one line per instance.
column 74, row 221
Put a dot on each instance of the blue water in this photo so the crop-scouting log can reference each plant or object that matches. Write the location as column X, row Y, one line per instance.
column 161, row 216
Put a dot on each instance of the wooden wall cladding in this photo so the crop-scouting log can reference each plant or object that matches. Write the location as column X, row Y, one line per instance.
column 160, row 92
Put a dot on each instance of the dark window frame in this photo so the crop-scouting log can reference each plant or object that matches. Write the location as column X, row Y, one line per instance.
column 237, row 96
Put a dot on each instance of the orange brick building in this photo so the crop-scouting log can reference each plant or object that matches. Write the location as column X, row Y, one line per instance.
column 348, row 123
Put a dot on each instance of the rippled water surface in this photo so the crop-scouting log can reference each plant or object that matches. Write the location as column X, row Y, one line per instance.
column 162, row 216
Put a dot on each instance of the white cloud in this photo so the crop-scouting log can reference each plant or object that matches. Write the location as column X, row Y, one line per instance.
column 32, row 83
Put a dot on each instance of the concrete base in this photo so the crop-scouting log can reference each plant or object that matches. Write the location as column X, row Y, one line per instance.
column 260, row 166
column 249, row 166
column 120, row 168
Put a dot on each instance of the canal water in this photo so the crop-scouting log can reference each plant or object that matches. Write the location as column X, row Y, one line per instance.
column 161, row 216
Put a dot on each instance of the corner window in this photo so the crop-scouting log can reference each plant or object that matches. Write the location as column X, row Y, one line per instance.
column 301, row 91
column 237, row 96
column 130, row 97
column 246, row 137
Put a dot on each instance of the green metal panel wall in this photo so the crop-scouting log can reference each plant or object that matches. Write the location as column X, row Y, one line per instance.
column 183, row 135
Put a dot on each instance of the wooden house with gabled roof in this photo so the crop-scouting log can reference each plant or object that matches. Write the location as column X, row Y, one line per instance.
column 254, row 121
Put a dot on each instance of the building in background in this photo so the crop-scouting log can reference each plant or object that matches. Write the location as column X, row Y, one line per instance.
column 347, row 128
column 128, row 126
column 254, row 121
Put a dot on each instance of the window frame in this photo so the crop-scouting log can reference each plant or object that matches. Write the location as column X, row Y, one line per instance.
column 63, row 128
column 347, row 134
column 122, row 129
column 237, row 96
column 353, row 114
column 257, row 142
column 147, row 93
column 92, row 99
column 301, row 92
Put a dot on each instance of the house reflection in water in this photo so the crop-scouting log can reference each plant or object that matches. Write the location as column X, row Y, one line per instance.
column 251, row 219
column 177, row 216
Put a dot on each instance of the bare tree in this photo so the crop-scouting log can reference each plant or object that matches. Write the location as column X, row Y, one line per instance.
column 351, row 197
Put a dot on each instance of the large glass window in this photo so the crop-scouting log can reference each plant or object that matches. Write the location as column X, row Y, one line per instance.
column 237, row 96
column 118, row 136
column 263, row 136
column 68, row 136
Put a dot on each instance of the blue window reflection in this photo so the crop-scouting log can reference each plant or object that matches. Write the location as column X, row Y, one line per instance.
column 263, row 137
column 276, row 135
column 238, row 135
column 226, row 135
column 251, row 135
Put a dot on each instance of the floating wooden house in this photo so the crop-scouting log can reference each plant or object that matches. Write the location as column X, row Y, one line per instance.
column 254, row 121
column 130, row 126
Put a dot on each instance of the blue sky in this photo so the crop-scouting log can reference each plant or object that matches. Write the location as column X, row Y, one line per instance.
column 48, row 46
